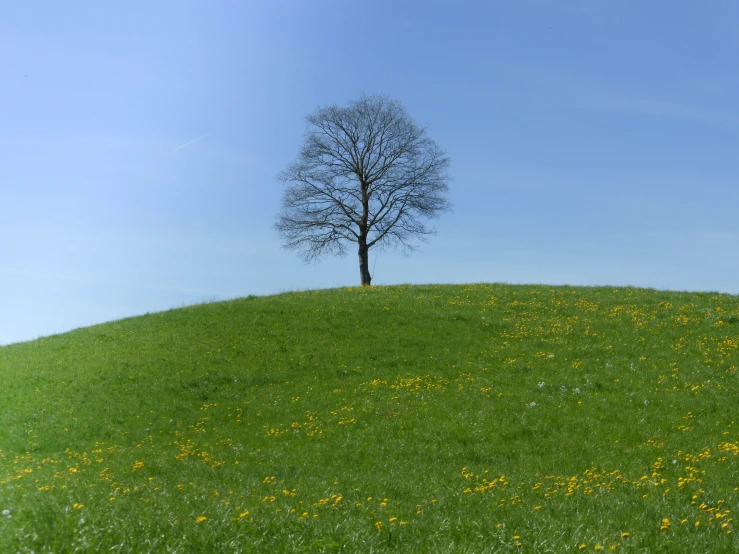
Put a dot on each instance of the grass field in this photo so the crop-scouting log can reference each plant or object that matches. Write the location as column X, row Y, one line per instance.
column 471, row 418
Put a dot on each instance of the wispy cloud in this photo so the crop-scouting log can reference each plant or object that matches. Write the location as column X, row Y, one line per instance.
column 589, row 94
column 181, row 146
column 664, row 108
column 20, row 273
column 11, row 272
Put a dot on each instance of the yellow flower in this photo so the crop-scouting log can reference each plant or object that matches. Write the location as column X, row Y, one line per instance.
column 625, row 535
column 201, row 519
column 583, row 546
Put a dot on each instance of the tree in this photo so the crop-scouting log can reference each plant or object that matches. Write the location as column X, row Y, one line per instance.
column 366, row 174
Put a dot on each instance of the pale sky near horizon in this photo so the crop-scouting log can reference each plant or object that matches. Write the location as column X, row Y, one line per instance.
column 593, row 142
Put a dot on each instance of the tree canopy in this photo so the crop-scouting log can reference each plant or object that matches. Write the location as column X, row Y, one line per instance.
column 366, row 174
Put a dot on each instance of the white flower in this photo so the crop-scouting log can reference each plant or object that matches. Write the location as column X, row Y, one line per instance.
column 6, row 512
column 532, row 404
column 577, row 390
column 541, row 385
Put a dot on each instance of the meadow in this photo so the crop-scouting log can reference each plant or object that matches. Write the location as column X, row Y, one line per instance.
column 465, row 418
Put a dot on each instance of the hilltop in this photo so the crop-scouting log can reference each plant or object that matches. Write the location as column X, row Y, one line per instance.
column 478, row 418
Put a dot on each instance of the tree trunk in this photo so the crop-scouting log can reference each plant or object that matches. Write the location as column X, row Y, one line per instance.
column 364, row 263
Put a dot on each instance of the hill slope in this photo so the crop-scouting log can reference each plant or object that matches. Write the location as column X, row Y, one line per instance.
column 430, row 418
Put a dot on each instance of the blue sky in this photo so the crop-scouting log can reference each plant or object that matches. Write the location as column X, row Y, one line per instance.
column 592, row 142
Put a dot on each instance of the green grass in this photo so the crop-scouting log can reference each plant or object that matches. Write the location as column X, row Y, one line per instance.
column 475, row 418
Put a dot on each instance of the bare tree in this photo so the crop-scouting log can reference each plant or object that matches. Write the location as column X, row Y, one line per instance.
column 366, row 174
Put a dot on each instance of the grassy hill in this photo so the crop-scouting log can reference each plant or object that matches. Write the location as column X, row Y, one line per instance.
column 474, row 418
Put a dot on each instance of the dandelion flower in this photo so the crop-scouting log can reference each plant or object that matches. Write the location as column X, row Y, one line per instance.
column 201, row 519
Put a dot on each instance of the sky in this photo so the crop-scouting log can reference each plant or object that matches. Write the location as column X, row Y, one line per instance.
column 591, row 143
